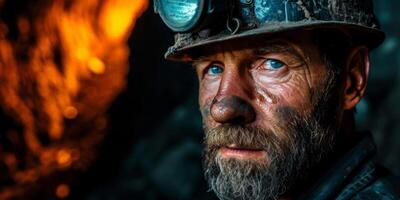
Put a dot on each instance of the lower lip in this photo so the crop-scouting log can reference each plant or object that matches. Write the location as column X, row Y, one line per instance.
column 244, row 154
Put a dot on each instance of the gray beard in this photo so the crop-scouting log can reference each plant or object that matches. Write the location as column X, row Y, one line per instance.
column 287, row 161
column 307, row 140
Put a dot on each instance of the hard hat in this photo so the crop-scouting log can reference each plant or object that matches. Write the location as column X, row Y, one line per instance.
column 204, row 22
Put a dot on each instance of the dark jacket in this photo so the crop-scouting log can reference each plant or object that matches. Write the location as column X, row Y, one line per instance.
column 355, row 176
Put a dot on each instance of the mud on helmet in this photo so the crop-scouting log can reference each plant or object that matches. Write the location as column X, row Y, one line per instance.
column 203, row 22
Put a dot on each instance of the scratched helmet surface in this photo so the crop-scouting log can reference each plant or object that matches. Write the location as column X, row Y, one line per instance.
column 222, row 20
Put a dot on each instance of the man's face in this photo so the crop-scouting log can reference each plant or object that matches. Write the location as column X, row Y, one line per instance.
column 269, row 114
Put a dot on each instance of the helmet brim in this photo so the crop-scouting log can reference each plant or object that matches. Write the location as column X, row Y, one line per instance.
column 370, row 37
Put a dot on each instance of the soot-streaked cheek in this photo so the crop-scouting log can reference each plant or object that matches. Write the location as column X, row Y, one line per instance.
column 293, row 93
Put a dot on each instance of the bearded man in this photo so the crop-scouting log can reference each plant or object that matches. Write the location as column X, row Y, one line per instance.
column 279, row 83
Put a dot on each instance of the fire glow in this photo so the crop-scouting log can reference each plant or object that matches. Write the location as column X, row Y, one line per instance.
column 66, row 62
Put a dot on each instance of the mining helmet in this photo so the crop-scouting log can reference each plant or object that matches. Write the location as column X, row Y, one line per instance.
column 204, row 22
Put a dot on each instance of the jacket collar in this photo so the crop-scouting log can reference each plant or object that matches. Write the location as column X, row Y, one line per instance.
column 352, row 172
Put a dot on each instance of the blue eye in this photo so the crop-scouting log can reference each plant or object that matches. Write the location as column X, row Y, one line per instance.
column 215, row 70
column 273, row 64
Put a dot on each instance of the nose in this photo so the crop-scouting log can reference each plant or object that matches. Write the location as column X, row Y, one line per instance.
column 232, row 110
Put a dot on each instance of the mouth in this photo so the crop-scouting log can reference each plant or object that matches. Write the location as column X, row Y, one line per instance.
column 243, row 153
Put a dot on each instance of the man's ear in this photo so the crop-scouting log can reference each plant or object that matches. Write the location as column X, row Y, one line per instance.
column 357, row 70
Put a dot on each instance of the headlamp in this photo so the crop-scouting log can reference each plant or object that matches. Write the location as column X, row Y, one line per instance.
column 185, row 15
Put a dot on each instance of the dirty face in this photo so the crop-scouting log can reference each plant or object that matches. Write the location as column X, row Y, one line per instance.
column 270, row 108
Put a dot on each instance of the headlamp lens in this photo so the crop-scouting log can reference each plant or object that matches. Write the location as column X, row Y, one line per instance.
column 180, row 15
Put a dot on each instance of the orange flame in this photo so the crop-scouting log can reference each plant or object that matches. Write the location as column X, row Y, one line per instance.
column 79, row 47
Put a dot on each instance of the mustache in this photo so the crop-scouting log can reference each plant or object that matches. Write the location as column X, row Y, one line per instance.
column 285, row 132
column 244, row 137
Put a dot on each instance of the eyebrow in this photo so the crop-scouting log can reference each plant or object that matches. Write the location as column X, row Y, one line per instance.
column 280, row 47
column 195, row 62
column 267, row 48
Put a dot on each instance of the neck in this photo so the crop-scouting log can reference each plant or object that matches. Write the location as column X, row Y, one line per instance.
column 347, row 135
